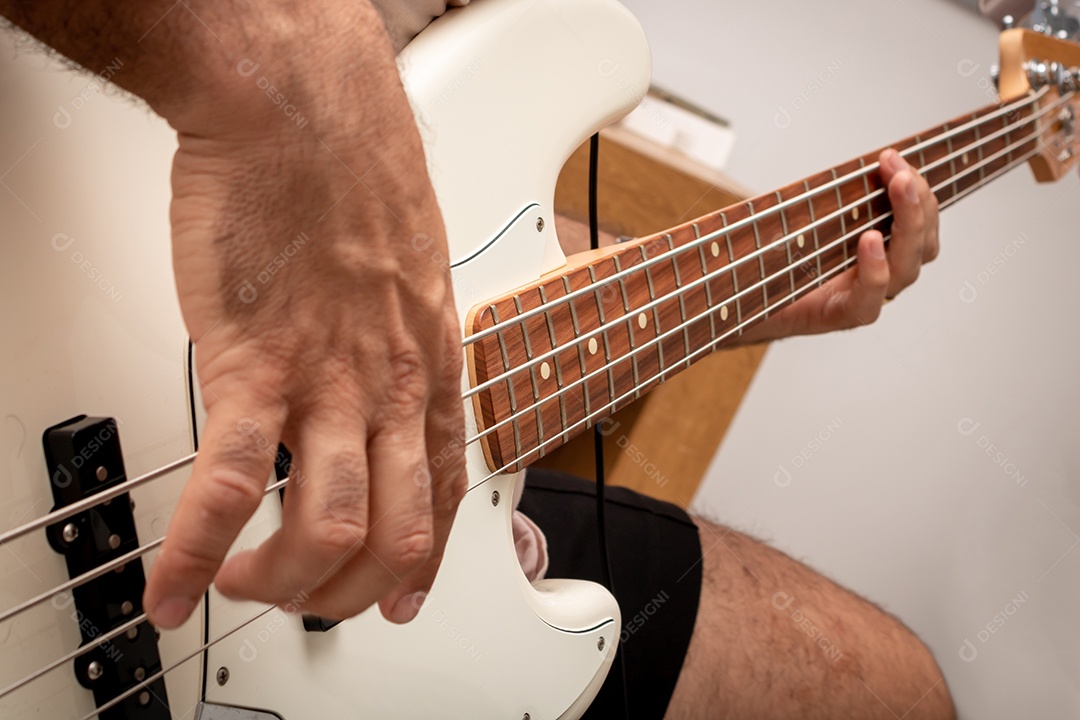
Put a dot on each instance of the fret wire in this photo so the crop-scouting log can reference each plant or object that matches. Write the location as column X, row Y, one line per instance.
column 577, row 341
column 604, row 335
column 813, row 220
column 755, row 253
column 922, row 155
column 760, row 259
column 705, row 274
column 682, row 295
column 952, row 163
column 1001, row 110
column 555, row 361
column 866, row 189
column 1008, row 140
column 509, row 382
column 626, row 317
column 656, row 308
column 734, row 275
column 739, row 329
column 787, row 245
column 979, row 150
column 527, row 344
column 840, row 204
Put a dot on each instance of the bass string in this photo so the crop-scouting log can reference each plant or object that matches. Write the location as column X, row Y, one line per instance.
column 100, row 570
column 641, row 267
column 146, row 682
column 854, row 175
column 649, row 345
column 597, row 414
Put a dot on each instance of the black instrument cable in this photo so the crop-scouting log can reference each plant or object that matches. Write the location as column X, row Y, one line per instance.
column 598, row 436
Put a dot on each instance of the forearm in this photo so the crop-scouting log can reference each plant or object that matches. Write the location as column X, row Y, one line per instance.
column 192, row 61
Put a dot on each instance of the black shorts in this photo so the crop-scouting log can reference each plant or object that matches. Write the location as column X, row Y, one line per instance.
column 656, row 571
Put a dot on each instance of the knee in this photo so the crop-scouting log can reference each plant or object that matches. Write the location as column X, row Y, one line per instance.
column 922, row 686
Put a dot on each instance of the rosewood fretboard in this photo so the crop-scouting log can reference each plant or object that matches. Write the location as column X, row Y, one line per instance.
column 544, row 370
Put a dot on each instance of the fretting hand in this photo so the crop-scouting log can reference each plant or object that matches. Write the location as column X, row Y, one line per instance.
column 856, row 297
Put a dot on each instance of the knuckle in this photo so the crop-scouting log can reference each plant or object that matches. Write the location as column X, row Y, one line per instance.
column 341, row 524
column 190, row 561
column 230, row 496
column 334, row 537
column 870, row 314
column 450, row 491
column 916, row 221
column 911, row 275
column 412, row 550
column 408, row 379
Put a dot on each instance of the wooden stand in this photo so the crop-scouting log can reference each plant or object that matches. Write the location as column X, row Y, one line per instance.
column 663, row 444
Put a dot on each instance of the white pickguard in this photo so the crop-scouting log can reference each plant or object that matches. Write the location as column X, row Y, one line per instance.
column 503, row 90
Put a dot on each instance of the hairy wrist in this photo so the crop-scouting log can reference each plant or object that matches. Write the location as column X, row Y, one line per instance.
column 207, row 66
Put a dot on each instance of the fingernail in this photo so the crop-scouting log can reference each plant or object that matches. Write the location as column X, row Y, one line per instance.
column 877, row 249
column 172, row 612
column 898, row 162
column 408, row 607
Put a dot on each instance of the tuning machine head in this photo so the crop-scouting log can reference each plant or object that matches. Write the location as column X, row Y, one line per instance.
column 1056, row 19
column 1041, row 73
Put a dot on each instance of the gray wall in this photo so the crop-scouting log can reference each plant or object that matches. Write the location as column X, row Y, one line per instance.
column 886, row 494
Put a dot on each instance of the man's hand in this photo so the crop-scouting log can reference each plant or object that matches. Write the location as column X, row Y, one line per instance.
column 856, row 297
column 299, row 189
column 317, row 323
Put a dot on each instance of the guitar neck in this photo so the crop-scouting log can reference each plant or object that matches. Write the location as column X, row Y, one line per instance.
column 554, row 358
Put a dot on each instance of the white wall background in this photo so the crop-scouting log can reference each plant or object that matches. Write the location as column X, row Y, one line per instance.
column 886, row 494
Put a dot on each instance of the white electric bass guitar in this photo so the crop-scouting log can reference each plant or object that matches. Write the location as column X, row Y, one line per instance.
column 503, row 91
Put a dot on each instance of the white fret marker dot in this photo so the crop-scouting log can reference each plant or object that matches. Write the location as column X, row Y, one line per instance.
column 642, row 321
column 715, row 248
column 964, row 159
column 723, row 313
column 801, row 240
column 545, row 370
column 855, row 213
column 593, row 346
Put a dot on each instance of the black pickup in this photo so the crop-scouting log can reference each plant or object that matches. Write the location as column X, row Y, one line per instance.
column 84, row 458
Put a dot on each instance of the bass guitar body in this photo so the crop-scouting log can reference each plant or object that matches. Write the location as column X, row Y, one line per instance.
column 503, row 92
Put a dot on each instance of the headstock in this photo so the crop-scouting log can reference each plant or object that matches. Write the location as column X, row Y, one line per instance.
column 1033, row 60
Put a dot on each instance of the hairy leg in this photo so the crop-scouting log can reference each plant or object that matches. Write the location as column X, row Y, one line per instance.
column 774, row 639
